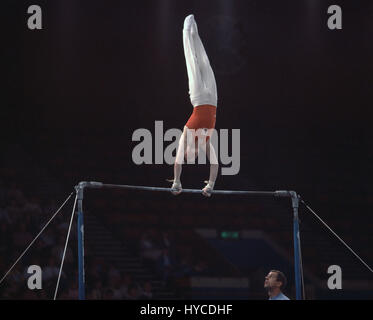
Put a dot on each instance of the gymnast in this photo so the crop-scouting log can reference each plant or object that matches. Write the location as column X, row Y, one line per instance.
column 203, row 96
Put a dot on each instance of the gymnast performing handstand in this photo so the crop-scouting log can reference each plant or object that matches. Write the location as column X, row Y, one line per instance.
column 203, row 96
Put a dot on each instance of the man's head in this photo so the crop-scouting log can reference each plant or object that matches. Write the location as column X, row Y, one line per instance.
column 275, row 279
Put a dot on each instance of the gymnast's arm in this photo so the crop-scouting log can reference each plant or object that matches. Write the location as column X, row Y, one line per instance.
column 214, row 167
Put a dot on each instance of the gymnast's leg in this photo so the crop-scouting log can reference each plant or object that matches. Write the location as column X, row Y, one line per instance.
column 196, row 85
column 202, row 84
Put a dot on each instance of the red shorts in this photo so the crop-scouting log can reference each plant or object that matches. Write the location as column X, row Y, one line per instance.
column 203, row 116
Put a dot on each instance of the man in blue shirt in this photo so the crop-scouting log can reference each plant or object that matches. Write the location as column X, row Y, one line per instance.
column 274, row 283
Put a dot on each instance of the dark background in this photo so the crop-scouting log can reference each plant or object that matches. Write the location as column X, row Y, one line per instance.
column 301, row 94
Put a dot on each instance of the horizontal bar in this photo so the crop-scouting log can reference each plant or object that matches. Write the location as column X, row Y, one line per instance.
column 159, row 189
column 188, row 190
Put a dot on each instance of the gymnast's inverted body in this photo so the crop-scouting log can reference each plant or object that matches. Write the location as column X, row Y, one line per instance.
column 203, row 96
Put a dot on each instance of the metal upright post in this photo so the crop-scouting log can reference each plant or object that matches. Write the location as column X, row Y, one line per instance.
column 80, row 192
column 297, row 249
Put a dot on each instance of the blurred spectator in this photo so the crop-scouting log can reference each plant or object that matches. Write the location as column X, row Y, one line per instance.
column 108, row 294
column 42, row 295
column 165, row 264
column 11, row 289
column 58, row 250
column 48, row 239
column 32, row 207
column 22, row 238
column 114, row 274
column 40, row 245
column 50, row 208
column 94, row 267
column 16, row 276
column 4, row 216
column 29, row 294
column 14, row 210
column 133, row 292
column 51, row 270
column 117, row 292
column 200, row 268
column 73, row 291
column 148, row 248
column 184, row 269
column 125, row 284
column 4, row 238
column 14, row 193
column 97, row 291
column 166, row 243
column 146, row 292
